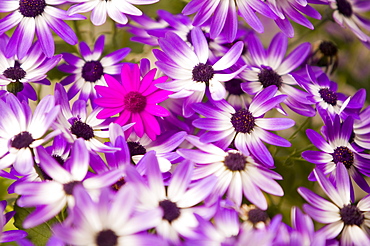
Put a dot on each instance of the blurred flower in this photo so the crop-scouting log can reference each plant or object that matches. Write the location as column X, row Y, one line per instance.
column 35, row 17
column 135, row 99
column 10, row 235
column 88, row 71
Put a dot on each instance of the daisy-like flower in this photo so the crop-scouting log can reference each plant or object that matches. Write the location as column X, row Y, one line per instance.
column 109, row 221
column 292, row 9
column 51, row 196
column 222, row 15
column 88, row 71
column 235, row 94
column 269, row 67
column 35, row 17
column 116, row 9
column 190, row 69
column 12, row 235
column 134, row 99
column 77, row 123
column 343, row 218
column 334, row 148
column 247, row 127
column 17, row 74
column 347, row 13
column 20, row 131
column 177, row 201
column 236, row 173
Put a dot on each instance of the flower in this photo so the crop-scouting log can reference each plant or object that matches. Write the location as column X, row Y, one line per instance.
column 347, row 15
column 190, row 69
column 269, row 67
column 90, row 70
column 35, row 17
column 341, row 216
column 12, row 235
column 236, row 173
column 115, row 9
column 17, row 74
column 21, row 132
column 334, row 148
column 245, row 128
column 134, row 99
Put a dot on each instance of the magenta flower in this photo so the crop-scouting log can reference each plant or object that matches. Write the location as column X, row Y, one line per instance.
column 135, row 100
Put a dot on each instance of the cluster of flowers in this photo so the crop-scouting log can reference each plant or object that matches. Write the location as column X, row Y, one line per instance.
column 180, row 154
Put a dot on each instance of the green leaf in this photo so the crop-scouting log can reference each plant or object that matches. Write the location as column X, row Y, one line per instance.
column 40, row 234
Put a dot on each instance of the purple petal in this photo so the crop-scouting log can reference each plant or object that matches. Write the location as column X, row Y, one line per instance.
column 180, row 181
column 230, row 57
column 277, row 50
column 200, row 44
column 274, row 124
column 319, row 141
column 294, row 59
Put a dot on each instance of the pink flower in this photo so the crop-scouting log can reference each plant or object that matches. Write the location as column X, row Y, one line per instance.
column 134, row 99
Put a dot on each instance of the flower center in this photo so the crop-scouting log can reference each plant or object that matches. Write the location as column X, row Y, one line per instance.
column 134, row 102
column 344, row 155
column 233, row 87
column 15, row 73
column 328, row 96
column 203, row 73
column 107, row 238
column 136, row 148
column 92, row 71
column 268, row 77
column 82, row 130
column 351, row 215
column 257, row 215
column 170, row 210
column 22, row 140
column 344, row 7
column 31, row 8
column 68, row 187
column 117, row 186
column 235, row 161
column 243, row 121
column 328, row 48
column 59, row 159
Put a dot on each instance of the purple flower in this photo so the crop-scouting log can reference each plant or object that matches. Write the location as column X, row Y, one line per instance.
column 21, row 131
column 334, row 148
column 108, row 221
column 222, row 15
column 116, row 10
column 88, row 71
column 12, row 235
column 190, row 70
column 236, row 173
column 17, row 74
column 245, row 128
column 35, row 17
column 341, row 216
column 269, row 67
column 177, row 202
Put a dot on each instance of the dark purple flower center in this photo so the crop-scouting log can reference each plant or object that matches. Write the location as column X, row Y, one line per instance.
column 344, row 7
column 243, row 121
column 351, row 215
column 170, row 210
column 59, row 159
column 328, row 48
column 92, row 71
column 117, row 186
column 134, row 101
column 268, row 77
column 22, row 140
column 344, row 155
column 107, row 238
column 329, row 96
column 15, row 73
column 82, row 130
column 235, row 161
column 203, row 73
column 233, row 87
column 31, row 8
column 257, row 215
column 68, row 187
column 136, row 148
